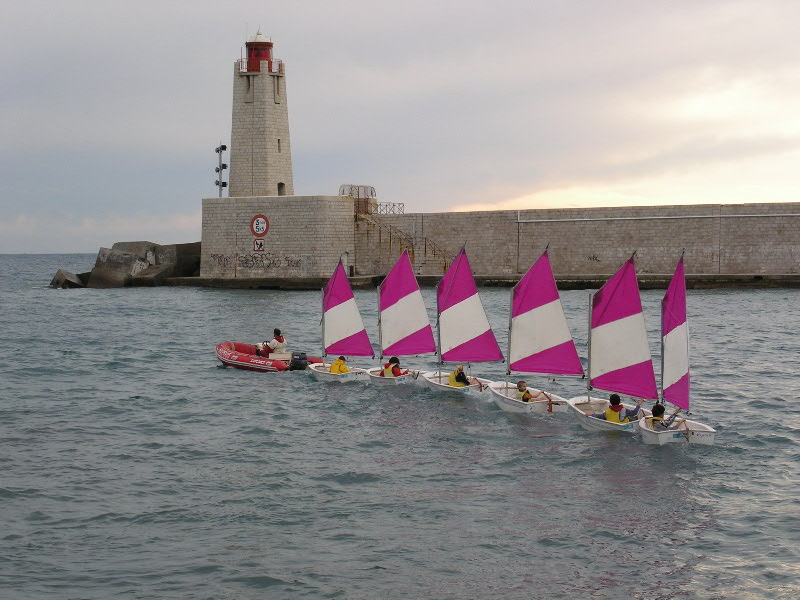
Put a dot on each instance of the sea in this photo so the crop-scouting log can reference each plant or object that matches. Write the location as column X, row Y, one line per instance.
column 133, row 465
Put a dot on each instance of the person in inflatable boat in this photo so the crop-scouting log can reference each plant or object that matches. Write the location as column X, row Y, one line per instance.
column 458, row 378
column 338, row 366
column 276, row 345
column 392, row 368
column 658, row 423
column 616, row 413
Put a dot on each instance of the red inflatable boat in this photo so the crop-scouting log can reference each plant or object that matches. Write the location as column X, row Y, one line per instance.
column 243, row 356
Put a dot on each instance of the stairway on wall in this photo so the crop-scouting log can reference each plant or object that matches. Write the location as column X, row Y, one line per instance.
column 427, row 257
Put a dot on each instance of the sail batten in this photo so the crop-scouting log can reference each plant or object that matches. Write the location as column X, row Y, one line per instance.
column 539, row 338
column 675, row 341
column 343, row 329
column 620, row 354
column 464, row 331
column 404, row 326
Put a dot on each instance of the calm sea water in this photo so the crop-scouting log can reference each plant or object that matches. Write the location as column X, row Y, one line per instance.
column 133, row 466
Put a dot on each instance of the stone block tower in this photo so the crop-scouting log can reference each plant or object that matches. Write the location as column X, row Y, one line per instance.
column 260, row 155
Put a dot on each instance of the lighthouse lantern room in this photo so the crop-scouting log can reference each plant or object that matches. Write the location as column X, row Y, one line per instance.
column 258, row 49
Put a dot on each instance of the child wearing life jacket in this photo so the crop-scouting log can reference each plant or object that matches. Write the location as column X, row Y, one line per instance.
column 658, row 423
column 338, row 366
column 458, row 378
column 616, row 413
column 392, row 368
column 522, row 393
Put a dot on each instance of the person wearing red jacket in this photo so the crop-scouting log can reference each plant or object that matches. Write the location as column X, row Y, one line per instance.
column 276, row 345
column 392, row 368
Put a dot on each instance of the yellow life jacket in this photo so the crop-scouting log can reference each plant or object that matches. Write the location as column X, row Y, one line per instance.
column 653, row 420
column 338, row 366
column 613, row 416
column 525, row 396
column 387, row 370
column 451, row 381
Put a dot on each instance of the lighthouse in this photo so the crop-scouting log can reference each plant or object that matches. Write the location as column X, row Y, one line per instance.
column 260, row 155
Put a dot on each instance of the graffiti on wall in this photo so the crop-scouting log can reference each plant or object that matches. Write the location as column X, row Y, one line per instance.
column 221, row 260
column 257, row 261
column 267, row 260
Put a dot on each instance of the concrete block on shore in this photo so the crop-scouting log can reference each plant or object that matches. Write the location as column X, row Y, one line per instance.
column 135, row 264
column 64, row 279
column 115, row 266
column 153, row 276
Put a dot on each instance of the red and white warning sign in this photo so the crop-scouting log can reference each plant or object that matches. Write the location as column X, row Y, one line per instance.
column 259, row 225
column 258, row 245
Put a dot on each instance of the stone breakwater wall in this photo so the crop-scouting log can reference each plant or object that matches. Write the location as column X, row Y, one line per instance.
column 294, row 242
column 717, row 239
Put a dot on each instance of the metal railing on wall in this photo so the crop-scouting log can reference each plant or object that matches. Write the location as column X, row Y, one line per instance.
column 390, row 208
column 273, row 66
column 415, row 245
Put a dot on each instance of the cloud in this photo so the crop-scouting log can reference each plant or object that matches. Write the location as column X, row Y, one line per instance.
column 29, row 233
column 113, row 109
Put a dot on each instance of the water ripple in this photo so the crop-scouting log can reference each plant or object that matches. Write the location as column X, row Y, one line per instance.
column 134, row 467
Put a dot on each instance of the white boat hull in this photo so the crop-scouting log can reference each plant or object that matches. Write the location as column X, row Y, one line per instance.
column 375, row 377
column 321, row 372
column 690, row 432
column 439, row 381
column 581, row 409
column 504, row 396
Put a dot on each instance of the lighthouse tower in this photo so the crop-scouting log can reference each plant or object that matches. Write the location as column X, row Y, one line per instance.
column 260, row 156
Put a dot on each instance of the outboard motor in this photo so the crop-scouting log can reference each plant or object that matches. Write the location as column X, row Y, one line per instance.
column 299, row 361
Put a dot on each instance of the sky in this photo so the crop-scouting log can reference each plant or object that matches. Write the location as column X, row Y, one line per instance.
column 110, row 111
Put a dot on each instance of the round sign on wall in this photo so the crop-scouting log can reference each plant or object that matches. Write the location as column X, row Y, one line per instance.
column 259, row 225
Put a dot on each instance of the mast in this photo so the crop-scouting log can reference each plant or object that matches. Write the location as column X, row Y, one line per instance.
column 589, row 353
column 510, row 321
column 438, row 331
column 380, row 312
column 322, row 322
column 662, row 352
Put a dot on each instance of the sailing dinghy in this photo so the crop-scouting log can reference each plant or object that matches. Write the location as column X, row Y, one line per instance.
column 539, row 341
column 619, row 356
column 463, row 329
column 675, row 369
column 403, row 325
column 343, row 331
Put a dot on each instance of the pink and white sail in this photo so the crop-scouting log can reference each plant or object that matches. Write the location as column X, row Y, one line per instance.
column 675, row 341
column 620, row 359
column 404, row 326
column 540, row 340
column 343, row 330
column 464, row 331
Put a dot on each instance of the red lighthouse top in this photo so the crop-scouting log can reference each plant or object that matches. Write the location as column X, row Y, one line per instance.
column 259, row 48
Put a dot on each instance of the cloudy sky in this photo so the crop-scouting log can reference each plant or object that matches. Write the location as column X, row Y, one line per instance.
column 110, row 110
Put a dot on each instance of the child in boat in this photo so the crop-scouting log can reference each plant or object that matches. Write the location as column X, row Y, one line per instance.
column 458, row 378
column 338, row 366
column 658, row 423
column 616, row 413
column 392, row 368
column 522, row 392
column 525, row 395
